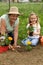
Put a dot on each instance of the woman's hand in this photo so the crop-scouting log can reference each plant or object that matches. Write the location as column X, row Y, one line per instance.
column 16, row 37
column 11, row 47
column 16, row 46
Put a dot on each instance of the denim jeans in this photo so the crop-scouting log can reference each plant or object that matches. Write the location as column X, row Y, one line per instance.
column 34, row 41
column 10, row 34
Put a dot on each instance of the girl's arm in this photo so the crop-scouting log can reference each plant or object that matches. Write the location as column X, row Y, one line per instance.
column 27, row 28
column 38, row 30
column 37, row 33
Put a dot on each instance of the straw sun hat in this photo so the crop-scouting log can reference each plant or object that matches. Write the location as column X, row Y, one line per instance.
column 14, row 10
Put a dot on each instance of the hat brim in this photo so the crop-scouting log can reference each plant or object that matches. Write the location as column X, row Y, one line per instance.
column 17, row 13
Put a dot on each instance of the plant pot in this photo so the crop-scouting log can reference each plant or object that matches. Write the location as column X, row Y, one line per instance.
column 30, row 33
column 41, row 40
column 3, row 49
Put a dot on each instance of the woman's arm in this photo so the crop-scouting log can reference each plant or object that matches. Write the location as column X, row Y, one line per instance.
column 15, row 35
column 3, row 26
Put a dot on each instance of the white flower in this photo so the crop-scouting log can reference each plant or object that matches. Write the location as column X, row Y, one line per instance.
column 2, row 37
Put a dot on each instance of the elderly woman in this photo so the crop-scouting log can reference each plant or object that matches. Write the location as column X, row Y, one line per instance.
column 9, row 25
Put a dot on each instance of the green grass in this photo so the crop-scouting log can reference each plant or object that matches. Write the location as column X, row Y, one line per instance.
column 26, row 9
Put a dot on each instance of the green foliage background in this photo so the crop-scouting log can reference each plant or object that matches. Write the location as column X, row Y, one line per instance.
column 25, row 9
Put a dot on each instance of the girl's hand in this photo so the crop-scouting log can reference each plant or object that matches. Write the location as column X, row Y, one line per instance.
column 31, row 23
column 28, row 32
column 36, row 34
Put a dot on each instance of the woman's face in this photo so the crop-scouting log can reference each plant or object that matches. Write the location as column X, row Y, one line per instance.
column 13, row 17
column 33, row 19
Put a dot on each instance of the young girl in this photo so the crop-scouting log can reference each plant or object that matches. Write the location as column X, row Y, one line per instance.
column 33, row 36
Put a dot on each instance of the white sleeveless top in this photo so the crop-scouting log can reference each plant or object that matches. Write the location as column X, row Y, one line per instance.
column 35, row 27
column 8, row 26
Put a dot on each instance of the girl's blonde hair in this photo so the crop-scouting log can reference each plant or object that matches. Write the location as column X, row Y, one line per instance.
column 36, row 16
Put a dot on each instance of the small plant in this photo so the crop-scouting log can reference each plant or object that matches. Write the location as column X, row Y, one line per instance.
column 5, row 40
column 31, row 30
column 28, row 47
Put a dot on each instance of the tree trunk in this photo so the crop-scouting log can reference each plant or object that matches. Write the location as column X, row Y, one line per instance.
column 17, row 0
column 9, row 4
column 13, row 1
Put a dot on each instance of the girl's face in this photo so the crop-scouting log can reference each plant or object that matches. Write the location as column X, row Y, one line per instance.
column 33, row 19
column 13, row 17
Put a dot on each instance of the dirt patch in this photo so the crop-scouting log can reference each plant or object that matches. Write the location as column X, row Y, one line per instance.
column 23, row 57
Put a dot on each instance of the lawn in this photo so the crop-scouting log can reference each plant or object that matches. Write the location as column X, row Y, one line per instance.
column 23, row 57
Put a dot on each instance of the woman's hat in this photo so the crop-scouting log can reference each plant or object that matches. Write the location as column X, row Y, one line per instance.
column 14, row 10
